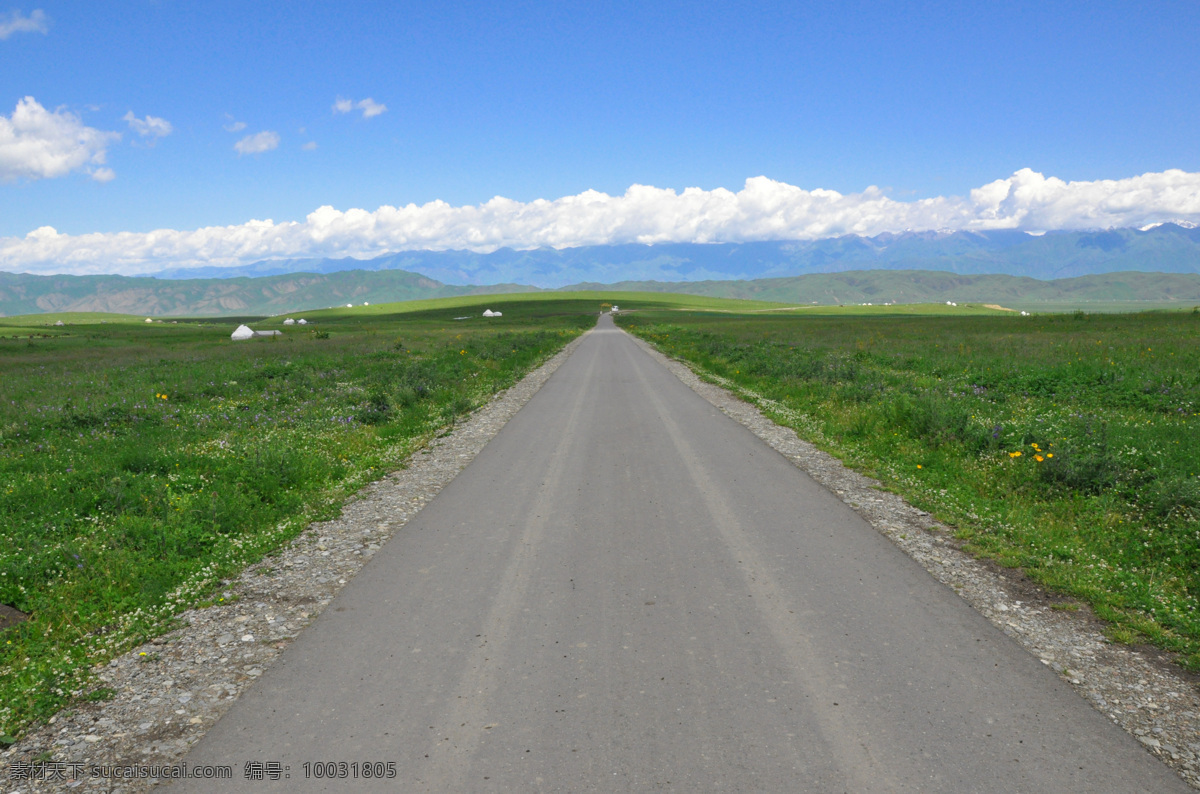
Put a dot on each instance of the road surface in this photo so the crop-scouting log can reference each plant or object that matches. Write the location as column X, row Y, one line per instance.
column 628, row 591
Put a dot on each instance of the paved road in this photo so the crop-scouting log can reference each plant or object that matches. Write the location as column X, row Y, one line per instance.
column 628, row 591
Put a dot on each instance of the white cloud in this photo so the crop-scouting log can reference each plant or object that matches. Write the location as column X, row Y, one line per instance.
column 310, row 146
column 15, row 22
column 103, row 174
column 369, row 107
column 259, row 142
column 36, row 143
column 763, row 209
column 233, row 125
column 150, row 127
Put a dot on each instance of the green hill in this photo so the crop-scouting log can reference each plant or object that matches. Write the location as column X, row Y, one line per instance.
column 21, row 293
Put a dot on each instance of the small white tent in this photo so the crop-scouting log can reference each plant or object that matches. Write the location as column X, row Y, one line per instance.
column 302, row 321
column 488, row 313
column 242, row 332
column 289, row 321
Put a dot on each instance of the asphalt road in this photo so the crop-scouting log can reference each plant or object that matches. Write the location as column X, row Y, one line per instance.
column 628, row 591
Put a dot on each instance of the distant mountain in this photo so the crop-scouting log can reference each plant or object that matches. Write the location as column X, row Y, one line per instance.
column 21, row 293
column 1166, row 248
column 271, row 295
column 925, row 286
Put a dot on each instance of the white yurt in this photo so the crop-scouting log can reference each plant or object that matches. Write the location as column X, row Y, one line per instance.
column 242, row 332
column 289, row 321
column 302, row 321
column 488, row 313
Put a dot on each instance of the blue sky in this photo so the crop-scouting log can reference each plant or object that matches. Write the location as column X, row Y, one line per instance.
column 547, row 100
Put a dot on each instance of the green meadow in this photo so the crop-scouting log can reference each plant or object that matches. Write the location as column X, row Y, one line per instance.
column 1067, row 445
column 142, row 463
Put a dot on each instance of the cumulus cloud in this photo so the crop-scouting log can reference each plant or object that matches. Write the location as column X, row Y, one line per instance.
column 36, row 143
column 764, row 209
column 259, row 142
column 234, row 125
column 16, row 22
column 369, row 107
column 150, row 127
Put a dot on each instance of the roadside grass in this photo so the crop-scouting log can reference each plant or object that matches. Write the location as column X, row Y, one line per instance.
column 1066, row 445
column 141, row 464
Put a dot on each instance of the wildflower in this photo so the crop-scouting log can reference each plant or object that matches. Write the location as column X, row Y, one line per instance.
column 1016, row 454
column 1038, row 458
column 1049, row 454
column 919, row 466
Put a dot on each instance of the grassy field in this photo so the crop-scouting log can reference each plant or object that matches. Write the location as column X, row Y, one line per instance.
column 143, row 462
column 1067, row 445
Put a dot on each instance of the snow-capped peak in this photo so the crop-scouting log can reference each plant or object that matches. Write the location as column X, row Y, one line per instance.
column 1180, row 224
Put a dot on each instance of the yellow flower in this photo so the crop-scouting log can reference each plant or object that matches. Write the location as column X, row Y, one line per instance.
column 1038, row 458
column 1014, row 454
column 1049, row 454
column 919, row 466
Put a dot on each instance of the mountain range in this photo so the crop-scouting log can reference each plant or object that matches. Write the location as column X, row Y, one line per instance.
column 1164, row 248
column 1159, row 264
column 273, row 295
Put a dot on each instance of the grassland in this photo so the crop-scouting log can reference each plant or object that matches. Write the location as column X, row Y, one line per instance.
column 1067, row 445
column 143, row 463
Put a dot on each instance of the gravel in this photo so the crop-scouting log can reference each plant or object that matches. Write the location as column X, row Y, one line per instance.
column 170, row 690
